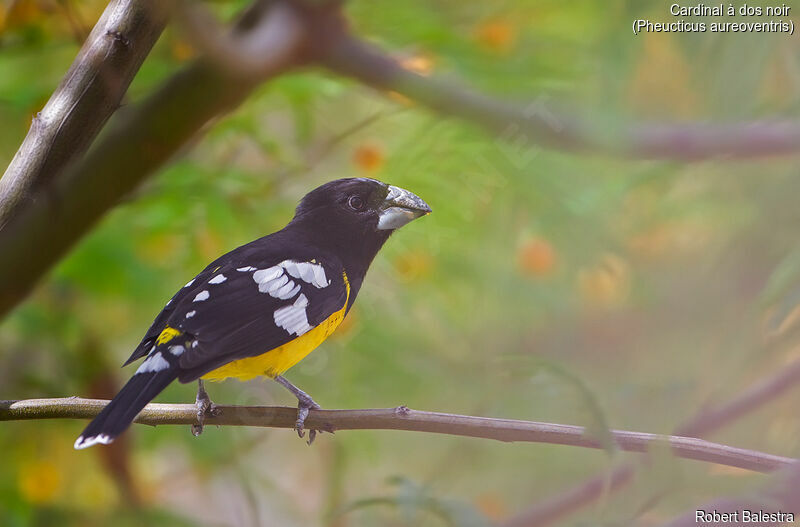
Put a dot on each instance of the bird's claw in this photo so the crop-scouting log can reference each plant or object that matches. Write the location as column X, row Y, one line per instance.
column 204, row 407
column 303, row 406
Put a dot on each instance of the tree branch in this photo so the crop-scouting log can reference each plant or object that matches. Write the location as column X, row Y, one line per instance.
column 88, row 94
column 139, row 140
column 402, row 418
column 536, row 124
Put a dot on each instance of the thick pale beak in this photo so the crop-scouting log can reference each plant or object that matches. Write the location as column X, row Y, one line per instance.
column 400, row 207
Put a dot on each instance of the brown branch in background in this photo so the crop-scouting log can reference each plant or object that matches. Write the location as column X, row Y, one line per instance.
column 241, row 53
column 538, row 125
column 547, row 511
column 705, row 422
column 781, row 496
column 402, row 418
column 88, row 94
column 710, row 420
column 139, row 140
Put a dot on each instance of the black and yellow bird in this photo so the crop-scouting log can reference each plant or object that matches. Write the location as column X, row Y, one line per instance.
column 261, row 308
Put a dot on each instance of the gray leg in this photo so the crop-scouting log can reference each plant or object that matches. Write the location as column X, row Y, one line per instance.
column 204, row 407
column 304, row 404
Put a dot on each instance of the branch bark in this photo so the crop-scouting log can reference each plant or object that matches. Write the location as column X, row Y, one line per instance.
column 88, row 94
column 402, row 418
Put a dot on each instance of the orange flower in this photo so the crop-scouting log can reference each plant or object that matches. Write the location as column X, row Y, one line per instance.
column 368, row 157
column 536, row 257
column 399, row 97
column 419, row 63
column 492, row 505
column 497, row 36
column 606, row 283
column 182, row 50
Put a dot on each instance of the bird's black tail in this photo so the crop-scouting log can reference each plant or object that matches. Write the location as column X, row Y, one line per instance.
column 123, row 408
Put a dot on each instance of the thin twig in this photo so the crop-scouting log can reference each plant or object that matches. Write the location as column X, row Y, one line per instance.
column 402, row 418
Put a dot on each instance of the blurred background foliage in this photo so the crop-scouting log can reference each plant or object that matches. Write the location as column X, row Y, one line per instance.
column 546, row 286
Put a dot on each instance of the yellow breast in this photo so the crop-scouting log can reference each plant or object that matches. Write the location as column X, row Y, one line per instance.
column 277, row 360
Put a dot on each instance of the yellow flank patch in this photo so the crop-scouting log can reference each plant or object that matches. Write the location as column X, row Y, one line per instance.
column 277, row 360
column 166, row 335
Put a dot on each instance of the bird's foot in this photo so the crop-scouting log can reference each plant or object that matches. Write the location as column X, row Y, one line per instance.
column 304, row 404
column 204, row 407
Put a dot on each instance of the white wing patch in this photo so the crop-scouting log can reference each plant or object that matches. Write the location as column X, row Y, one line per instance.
column 177, row 350
column 308, row 272
column 293, row 318
column 218, row 279
column 277, row 283
column 246, row 269
column 265, row 275
column 190, row 282
column 287, row 291
column 202, row 295
column 281, row 281
column 153, row 363
column 191, row 313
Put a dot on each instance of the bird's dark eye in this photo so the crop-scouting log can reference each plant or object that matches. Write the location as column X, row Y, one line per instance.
column 355, row 203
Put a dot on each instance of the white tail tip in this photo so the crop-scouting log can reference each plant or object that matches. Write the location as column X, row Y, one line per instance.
column 86, row 442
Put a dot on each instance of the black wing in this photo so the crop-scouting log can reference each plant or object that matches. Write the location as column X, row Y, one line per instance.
column 245, row 309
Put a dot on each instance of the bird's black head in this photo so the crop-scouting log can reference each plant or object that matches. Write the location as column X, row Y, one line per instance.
column 361, row 204
column 355, row 216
